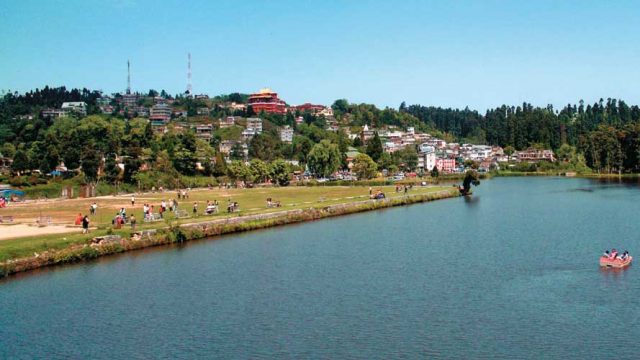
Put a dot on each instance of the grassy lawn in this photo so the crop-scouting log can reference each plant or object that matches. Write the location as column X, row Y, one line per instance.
column 251, row 201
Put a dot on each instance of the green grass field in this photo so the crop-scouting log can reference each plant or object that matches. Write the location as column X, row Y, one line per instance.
column 251, row 201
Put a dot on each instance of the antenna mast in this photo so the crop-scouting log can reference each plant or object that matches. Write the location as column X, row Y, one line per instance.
column 189, row 88
column 128, row 77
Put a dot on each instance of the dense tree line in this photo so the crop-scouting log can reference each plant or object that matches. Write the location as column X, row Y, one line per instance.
column 605, row 133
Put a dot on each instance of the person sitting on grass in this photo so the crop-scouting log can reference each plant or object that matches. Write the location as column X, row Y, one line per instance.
column 210, row 209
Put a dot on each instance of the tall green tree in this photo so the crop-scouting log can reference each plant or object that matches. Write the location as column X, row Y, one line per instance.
column 220, row 167
column 324, row 159
column 280, row 171
column 20, row 162
column 364, row 167
column 237, row 152
column 470, row 178
column 264, row 147
column 260, row 170
column 374, row 147
column 90, row 162
column 237, row 170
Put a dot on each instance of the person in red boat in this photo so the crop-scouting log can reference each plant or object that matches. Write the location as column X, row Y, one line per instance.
column 606, row 254
column 614, row 254
column 625, row 255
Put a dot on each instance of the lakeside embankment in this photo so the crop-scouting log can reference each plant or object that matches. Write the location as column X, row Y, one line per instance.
column 114, row 244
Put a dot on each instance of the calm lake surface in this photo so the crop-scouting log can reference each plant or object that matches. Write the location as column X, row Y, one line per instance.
column 511, row 273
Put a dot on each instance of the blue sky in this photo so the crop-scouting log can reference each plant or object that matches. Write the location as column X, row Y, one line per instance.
column 443, row 53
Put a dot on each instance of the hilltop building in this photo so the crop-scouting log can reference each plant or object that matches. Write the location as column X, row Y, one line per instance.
column 53, row 113
column 267, row 101
column 160, row 113
column 129, row 100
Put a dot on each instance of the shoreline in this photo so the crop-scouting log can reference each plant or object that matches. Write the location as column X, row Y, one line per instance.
column 115, row 244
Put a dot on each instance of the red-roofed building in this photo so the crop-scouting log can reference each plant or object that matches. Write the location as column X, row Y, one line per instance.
column 267, row 101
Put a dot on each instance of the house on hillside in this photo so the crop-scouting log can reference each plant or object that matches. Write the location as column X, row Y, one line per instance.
column 228, row 121
column 204, row 131
column 446, row 165
column 535, row 155
column 286, row 134
column 78, row 107
column 351, row 156
column 367, row 134
column 254, row 123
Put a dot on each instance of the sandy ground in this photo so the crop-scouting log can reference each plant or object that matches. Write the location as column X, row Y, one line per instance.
column 21, row 230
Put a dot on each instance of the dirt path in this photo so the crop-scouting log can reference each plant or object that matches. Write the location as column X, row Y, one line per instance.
column 22, row 230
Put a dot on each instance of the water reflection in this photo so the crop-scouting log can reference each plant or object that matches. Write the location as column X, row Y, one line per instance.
column 471, row 200
column 611, row 272
column 633, row 180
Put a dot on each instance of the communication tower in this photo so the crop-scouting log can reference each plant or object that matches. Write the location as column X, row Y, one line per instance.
column 189, row 88
column 128, row 77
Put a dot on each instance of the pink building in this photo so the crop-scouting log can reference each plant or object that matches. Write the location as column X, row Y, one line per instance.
column 446, row 165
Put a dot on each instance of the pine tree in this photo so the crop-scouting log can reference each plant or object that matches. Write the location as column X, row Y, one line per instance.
column 374, row 147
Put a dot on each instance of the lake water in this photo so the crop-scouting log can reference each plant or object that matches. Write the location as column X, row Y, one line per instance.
column 511, row 273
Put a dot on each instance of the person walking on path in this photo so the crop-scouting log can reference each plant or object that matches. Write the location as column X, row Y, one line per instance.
column 85, row 224
column 133, row 200
column 132, row 220
column 195, row 209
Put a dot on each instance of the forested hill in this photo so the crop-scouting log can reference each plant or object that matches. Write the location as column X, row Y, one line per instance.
column 606, row 133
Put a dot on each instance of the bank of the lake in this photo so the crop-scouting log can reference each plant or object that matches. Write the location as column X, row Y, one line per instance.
column 122, row 241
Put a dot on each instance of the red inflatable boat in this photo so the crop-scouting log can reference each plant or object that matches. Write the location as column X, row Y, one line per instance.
column 615, row 263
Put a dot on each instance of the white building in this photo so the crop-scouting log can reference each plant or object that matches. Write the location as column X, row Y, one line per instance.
column 286, row 134
column 79, row 107
column 53, row 113
column 427, row 161
column 203, row 111
column 248, row 134
column 426, row 148
column 255, row 124
column 160, row 112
